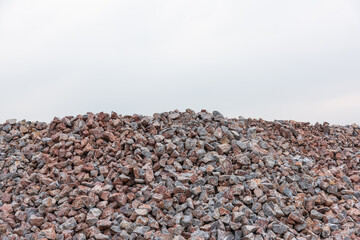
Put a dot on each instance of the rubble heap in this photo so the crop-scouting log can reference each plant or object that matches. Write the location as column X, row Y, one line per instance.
column 178, row 175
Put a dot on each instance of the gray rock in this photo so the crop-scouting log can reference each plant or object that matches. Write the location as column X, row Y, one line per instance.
column 287, row 192
column 316, row 215
column 209, row 157
column 186, row 221
column 217, row 114
column 289, row 209
column 222, row 235
column 101, row 236
column 202, row 131
column 199, row 233
column 242, row 145
column 250, row 236
column 238, row 235
column 190, row 144
column 248, row 200
column 251, row 132
column 247, row 229
column 268, row 211
column 91, row 219
column 7, row 128
column 238, row 216
column 95, row 211
column 213, row 180
column 325, row 231
column 115, row 229
column 141, row 230
column 332, row 189
column 69, row 224
column 300, row 227
column 270, row 161
column 80, row 236
column 280, row 228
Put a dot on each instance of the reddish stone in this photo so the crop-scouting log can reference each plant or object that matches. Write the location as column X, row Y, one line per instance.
column 149, row 175
column 45, row 180
column 104, row 224
column 7, row 208
column 109, row 136
column 120, row 198
column 104, row 195
column 6, row 197
column 49, row 233
column 88, row 167
column 20, row 215
column 36, row 221
column 223, row 211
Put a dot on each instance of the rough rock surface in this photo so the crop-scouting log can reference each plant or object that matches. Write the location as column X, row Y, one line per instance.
column 178, row 175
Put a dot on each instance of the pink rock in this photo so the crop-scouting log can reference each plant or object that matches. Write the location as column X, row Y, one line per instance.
column 36, row 221
column 50, row 233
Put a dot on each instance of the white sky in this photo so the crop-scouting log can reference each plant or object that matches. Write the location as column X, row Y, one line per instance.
column 271, row 59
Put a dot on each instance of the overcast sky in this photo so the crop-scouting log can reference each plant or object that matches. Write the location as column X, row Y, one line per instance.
column 286, row 59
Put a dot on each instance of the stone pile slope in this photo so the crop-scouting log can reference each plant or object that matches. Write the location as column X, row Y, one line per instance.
column 178, row 176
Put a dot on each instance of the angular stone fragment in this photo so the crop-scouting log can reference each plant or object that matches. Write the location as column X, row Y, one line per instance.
column 120, row 198
column 325, row 232
column 238, row 216
column 49, row 202
column 100, row 236
column 49, row 233
column 141, row 211
column 248, row 200
column 141, row 230
column 316, row 215
column 270, row 162
column 247, row 229
column 36, row 221
column 224, row 235
column 115, row 229
column 223, row 148
column 279, row 228
column 149, row 175
column 6, row 208
column 268, row 210
column 200, row 234
column 69, row 224
column 91, row 219
column 297, row 217
column 186, row 221
column 103, row 224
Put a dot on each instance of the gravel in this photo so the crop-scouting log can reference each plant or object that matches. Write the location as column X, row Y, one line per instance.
column 178, row 175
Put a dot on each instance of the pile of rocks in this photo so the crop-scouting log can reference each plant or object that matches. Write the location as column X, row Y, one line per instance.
column 178, row 176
